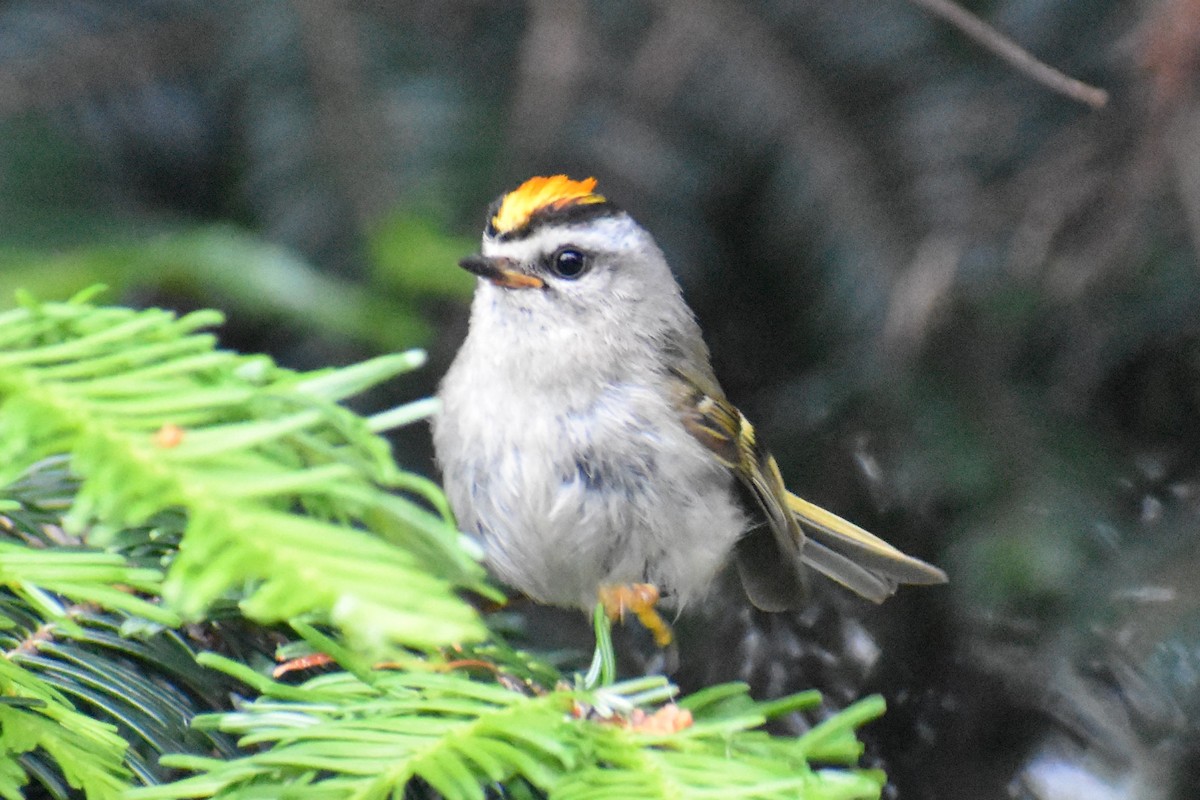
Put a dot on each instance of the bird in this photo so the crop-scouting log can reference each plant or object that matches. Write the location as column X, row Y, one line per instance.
column 585, row 442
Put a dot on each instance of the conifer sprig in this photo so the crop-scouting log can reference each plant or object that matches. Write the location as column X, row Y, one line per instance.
column 336, row 736
column 163, row 497
column 279, row 486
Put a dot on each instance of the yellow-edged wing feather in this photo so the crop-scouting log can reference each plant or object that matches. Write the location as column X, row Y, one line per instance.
column 836, row 548
column 862, row 547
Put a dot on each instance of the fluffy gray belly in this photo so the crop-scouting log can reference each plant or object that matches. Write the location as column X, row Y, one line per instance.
column 615, row 493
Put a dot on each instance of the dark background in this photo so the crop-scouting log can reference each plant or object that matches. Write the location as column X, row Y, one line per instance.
column 961, row 308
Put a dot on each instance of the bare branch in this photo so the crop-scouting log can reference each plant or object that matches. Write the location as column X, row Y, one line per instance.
column 1018, row 57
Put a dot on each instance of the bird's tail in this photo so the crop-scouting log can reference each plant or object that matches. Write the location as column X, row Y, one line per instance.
column 849, row 555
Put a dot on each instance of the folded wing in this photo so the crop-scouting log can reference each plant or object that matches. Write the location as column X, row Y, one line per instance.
column 771, row 565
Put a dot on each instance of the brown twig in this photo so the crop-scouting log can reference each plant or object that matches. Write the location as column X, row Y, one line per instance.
column 1018, row 57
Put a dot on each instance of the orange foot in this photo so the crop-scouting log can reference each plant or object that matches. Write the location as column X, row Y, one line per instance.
column 639, row 598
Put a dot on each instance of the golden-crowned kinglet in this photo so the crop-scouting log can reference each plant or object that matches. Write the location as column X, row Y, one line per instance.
column 585, row 441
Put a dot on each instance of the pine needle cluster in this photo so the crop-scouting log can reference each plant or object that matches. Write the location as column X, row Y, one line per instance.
column 175, row 516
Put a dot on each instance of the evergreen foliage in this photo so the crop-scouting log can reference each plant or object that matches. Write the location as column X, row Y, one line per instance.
column 964, row 311
column 173, row 512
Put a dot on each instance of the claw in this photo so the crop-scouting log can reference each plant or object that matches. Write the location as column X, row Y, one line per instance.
column 640, row 599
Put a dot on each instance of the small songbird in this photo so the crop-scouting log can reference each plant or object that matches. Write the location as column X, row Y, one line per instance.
column 585, row 441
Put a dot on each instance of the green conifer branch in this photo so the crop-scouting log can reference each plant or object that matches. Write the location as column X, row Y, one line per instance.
column 152, row 479
column 275, row 480
column 130, row 686
column 82, row 576
column 35, row 717
column 337, row 736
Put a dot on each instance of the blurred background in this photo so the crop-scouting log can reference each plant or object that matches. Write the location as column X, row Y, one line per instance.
column 964, row 310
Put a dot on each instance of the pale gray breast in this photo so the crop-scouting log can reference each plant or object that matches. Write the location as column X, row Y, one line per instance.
column 571, row 465
column 563, row 505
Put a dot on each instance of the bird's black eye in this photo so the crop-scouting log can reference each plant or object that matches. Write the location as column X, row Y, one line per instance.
column 567, row 262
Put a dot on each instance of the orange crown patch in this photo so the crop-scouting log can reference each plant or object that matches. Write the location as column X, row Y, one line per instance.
column 535, row 194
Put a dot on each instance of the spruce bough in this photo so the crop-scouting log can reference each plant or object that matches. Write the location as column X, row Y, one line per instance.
column 172, row 513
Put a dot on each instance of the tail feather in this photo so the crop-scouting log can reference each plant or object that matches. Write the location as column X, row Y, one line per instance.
column 837, row 567
column 829, row 533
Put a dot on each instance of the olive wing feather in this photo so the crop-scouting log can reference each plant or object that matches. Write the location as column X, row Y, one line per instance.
column 835, row 547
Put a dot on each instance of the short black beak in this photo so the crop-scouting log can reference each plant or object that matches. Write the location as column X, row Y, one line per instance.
column 500, row 272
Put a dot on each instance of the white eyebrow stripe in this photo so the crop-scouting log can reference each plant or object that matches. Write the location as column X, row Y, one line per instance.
column 604, row 234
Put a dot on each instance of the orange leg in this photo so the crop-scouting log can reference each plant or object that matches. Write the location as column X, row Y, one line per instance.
column 639, row 598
